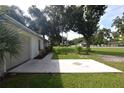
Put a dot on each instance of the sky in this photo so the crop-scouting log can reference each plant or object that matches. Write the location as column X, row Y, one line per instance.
column 106, row 20
column 111, row 13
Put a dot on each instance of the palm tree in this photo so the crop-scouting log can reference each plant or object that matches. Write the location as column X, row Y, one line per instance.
column 9, row 44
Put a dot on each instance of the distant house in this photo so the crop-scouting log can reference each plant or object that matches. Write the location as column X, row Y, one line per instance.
column 116, row 44
column 31, row 42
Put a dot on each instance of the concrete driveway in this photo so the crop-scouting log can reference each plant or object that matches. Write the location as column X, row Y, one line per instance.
column 47, row 65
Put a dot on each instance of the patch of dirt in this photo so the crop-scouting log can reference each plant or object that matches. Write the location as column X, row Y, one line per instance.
column 121, row 75
column 77, row 63
column 112, row 58
column 84, row 56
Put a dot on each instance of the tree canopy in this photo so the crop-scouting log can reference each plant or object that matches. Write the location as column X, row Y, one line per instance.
column 55, row 19
column 84, row 20
column 102, row 36
column 118, row 22
column 39, row 22
column 15, row 12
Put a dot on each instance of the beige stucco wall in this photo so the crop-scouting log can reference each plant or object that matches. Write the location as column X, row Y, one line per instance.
column 35, row 46
column 46, row 44
column 29, row 46
column 24, row 51
column 41, row 44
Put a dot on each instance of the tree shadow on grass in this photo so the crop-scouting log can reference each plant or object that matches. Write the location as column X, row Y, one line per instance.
column 35, row 80
column 32, row 81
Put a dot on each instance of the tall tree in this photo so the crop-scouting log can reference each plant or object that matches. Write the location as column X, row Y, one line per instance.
column 17, row 14
column 115, row 36
column 3, row 9
column 58, row 19
column 118, row 22
column 85, row 20
column 76, row 41
column 102, row 36
column 39, row 23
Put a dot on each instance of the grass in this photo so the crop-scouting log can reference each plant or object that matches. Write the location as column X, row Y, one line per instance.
column 118, row 65
column 99, row 80
column 94, row 54
column 67, row 53
column 91, row 80
column 109, row 51
column 67, row 56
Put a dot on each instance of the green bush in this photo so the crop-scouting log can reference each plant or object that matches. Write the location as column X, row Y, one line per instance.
column 9, row 43
column 64, row 50
column 79, row 49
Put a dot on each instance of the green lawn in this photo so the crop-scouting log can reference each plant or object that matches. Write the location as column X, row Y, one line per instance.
column 98, row 80
column 108, row 80
column 94, row 54
column 67, row 52
column 67, row 56
column 109, row 51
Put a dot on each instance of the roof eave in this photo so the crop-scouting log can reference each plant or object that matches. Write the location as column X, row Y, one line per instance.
column 22, row 26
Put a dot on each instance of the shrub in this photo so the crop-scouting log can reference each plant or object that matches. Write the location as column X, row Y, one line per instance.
column 79, row 49
column 50, row 48
column 64, row 50
column 43, row 52
column 9, row 43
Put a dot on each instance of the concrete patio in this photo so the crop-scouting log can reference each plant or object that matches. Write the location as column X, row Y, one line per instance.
column 47, row 65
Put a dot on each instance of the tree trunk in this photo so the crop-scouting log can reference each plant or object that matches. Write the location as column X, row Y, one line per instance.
column 62, row 39
column 4, row 61
column 66, row 38
column 87, row 45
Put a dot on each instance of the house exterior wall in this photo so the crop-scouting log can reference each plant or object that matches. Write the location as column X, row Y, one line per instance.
column 29, row 46
column 35, row 46
column 24, row 52
column 46, row 44
column 41, row 44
